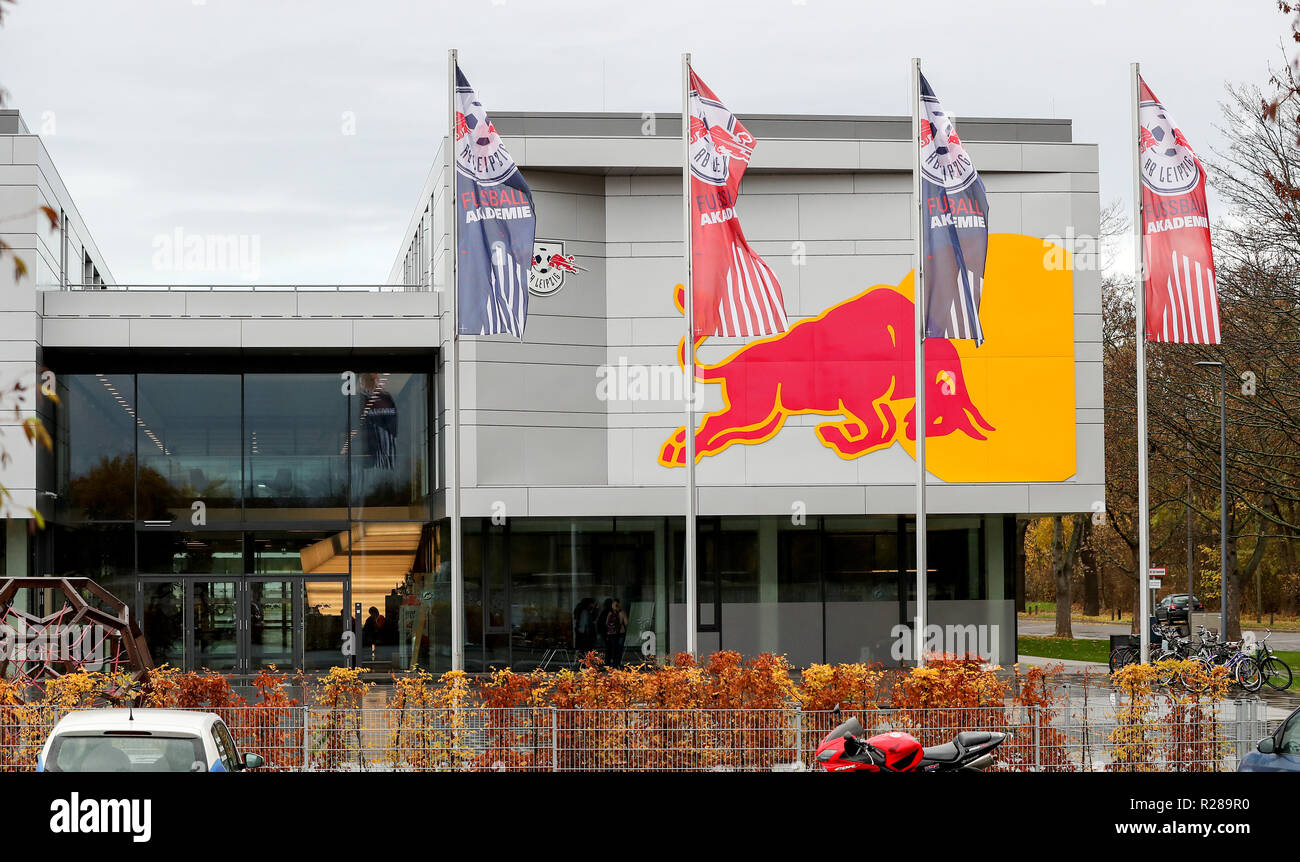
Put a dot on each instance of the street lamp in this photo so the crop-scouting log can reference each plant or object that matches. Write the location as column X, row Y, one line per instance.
column 1223, row 496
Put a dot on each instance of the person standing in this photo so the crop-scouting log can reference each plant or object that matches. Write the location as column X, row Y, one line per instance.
column 615, row 629
column 584, row 626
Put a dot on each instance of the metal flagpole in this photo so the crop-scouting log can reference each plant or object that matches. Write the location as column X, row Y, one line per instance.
column 1191, row 564
column 918, row 251
column 688, row 369
column 1140, row 301
column 1223, row 497
column 453, row 384
column 1223, row 505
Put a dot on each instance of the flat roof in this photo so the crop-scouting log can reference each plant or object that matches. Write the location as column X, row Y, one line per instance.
column 786, row 126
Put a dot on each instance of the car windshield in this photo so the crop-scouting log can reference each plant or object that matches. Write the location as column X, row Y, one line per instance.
column 138, row 752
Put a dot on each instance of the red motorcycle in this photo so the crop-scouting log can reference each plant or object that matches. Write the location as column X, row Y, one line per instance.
column 845, row 750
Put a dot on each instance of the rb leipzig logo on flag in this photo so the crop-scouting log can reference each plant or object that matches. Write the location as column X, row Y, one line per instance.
column 1182, row 302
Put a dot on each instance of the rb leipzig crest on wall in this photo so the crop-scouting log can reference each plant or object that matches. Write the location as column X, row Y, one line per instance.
column 550, row 265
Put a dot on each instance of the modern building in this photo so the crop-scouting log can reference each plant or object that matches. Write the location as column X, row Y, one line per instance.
column 248, row 466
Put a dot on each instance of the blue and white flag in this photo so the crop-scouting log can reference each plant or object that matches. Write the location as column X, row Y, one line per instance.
column 954, row 221
column 494, row 206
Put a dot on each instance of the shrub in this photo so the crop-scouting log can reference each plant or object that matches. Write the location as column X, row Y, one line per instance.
column 337, row 720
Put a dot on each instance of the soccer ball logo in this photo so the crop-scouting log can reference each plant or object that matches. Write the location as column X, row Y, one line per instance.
column 1167, row 162
column 479, row 151
column 550, row 263
column 943, row 156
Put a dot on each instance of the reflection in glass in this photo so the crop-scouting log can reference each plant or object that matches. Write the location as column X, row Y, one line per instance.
column 216, row 630
column 735, row 560
column 325, row 608
column 388, row 440
column 270, row 624
column 301, row 552
column 536, row 589
column 296, row 445
column 202, row 553
column 162, row 610
column 102, row 551
column 800, row 566
column 95, row 447
column 861, row 566
column 189, row 434
column 953, row 560
column 472, row 561
column 390, row 576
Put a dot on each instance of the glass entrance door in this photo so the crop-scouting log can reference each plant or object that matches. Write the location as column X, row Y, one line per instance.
column 216, row 622
column 325, row 609
column 162, row 617
column 273, row 624
column 241, row 625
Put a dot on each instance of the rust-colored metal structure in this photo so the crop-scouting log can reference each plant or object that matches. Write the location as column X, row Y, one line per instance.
column 91, row 630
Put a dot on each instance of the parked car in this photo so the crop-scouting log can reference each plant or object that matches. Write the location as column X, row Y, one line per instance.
column 1175, row 608
column 1277, row 753
column 142, row 740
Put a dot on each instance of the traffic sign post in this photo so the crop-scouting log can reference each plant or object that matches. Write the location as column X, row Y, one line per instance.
column 1155, row 575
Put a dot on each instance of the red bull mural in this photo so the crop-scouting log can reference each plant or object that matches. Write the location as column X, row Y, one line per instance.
column 1002, row 413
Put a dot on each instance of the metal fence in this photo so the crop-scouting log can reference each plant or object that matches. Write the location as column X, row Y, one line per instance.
column 1073, row 737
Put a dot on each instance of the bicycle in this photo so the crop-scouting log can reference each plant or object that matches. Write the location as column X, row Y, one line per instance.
column 1124, row 655
column 1276, row 673
column 1175, row 648
column 1131, row 652
column 1241, row 668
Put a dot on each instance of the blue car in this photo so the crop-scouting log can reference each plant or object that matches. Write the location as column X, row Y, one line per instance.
column 1277, row 753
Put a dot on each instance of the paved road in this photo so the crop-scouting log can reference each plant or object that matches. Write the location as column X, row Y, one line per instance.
column 1102, row 631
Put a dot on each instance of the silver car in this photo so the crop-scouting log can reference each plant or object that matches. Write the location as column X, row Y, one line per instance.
column 142, row 740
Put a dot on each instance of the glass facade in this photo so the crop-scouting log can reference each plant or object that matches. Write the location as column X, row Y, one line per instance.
column 536, row 588
column 188, row 446
column 836, row 589
column 296, row 447
column 247, row 516
column 833, row 589
column 244, row 515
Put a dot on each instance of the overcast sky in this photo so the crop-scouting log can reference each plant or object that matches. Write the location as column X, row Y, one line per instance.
column 228, row 116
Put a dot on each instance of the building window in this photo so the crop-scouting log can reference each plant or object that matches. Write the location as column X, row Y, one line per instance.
column 296, row 445
column 388, row 444
column 95, row 458
column 189, row 437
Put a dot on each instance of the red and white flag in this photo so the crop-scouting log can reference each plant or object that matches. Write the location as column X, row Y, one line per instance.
column 1182, row 302
column 735, row 293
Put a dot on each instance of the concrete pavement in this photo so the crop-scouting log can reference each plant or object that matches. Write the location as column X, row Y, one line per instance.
column 1071, row 666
